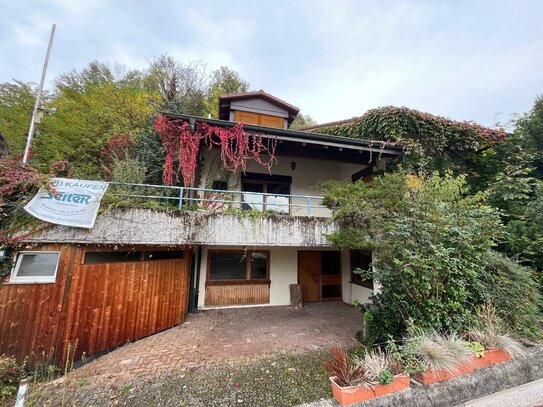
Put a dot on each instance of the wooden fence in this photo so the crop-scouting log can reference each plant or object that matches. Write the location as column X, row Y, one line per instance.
column 92, row 307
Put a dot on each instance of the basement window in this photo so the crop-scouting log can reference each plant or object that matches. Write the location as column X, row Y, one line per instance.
column 238, row 266
column 35, row 267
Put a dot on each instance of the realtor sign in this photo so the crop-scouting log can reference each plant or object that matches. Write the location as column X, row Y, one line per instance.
column 75, row 202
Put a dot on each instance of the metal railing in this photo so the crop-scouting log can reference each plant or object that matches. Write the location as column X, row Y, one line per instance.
column 216, row 198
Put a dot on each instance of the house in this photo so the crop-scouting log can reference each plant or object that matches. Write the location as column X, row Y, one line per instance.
column 138, row 271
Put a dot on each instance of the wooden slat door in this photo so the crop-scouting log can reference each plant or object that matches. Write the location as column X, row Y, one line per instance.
column 309, row 263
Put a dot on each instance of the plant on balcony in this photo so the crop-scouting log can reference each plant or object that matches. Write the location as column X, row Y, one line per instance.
column 237, row 146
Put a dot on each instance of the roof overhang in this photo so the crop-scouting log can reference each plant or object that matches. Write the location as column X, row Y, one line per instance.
column 302, row 137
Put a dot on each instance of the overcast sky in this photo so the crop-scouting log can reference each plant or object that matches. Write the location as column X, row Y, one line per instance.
column 468, row 60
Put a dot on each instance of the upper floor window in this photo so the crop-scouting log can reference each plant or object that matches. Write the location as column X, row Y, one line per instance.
column 266, row 192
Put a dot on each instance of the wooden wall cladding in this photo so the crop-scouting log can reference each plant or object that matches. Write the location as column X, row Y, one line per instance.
column 30, row 313
column 96, row 306
column 237, row 294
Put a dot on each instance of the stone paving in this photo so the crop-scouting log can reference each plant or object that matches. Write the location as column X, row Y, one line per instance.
column 227, row 334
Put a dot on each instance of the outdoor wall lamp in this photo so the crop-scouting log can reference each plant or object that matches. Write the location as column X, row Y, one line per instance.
column 293, row 165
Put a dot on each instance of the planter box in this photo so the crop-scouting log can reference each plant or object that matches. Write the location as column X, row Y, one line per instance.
column 490, row 357
column 430, row 376
column 354, row 394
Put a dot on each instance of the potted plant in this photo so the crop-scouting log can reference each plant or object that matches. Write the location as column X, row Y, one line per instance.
column 438, row 357
column 384, row 372
column 358, row 379
column 498, row 348
column 497, row 345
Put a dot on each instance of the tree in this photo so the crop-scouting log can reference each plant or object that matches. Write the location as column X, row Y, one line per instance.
column 223, row 81
column 517, row 189
column 87, row 114
column 16, row 105
column 302, row 121
column 182, row 87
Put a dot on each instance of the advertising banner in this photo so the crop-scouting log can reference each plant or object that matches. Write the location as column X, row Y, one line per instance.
column 75, row 203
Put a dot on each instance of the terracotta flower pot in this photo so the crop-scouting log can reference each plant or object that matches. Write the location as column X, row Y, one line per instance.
column 354, row 394
column 478, row 362
column 490, row 357
column 497, row 356
column 400, row 382
column 430, row 376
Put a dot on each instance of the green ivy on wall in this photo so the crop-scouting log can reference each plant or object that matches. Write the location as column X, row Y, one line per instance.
column 430, row 142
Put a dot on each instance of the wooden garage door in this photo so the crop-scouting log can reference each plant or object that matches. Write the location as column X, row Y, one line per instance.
column 111, row 304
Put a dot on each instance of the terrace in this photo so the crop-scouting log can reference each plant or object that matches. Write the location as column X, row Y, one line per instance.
column 189, row 198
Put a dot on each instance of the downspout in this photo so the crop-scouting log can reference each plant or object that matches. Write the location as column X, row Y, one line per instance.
column 196, row 287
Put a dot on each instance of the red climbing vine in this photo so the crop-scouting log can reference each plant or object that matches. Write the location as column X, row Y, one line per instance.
column 237, row 147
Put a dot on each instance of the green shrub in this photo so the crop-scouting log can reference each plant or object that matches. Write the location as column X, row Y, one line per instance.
column 10, row 373
column 514, row 293
column 428, row 239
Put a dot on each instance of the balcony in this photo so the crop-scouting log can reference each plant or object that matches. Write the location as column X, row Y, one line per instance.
column 218, row 200
column 163, row 215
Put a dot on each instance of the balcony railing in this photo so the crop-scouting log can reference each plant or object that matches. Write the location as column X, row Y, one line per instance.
column 216, row 199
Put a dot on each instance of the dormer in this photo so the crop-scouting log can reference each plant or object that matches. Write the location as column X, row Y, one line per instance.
column 259, row 108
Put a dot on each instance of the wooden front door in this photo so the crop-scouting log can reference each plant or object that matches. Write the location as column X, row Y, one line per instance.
column 309, row 264
column 319, row 273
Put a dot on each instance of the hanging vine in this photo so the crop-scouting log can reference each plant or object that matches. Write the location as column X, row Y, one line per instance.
column 237, row 147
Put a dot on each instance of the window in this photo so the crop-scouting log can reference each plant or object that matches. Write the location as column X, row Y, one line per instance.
column 360, row 259
column 163, row 255
column 111, row 257
column 35, row 267
column 275, row 186
column 238, row 265
column 126, row 256
column 330, row 263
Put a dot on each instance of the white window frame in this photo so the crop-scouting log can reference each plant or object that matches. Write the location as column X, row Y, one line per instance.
column 15, row 279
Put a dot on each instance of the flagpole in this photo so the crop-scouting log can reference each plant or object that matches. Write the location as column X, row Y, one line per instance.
column 38, row 99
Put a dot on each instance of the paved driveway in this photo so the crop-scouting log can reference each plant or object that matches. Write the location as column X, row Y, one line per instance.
column 228, row 334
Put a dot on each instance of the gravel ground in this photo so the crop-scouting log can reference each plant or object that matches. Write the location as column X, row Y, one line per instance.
column 282, row 379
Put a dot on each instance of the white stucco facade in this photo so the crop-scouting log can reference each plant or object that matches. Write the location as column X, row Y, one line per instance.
column 284, row 271
column 306, row 177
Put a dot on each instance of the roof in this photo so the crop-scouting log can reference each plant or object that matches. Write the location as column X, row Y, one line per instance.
column 224, row 102
column 385, row 148
column 330, row 124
